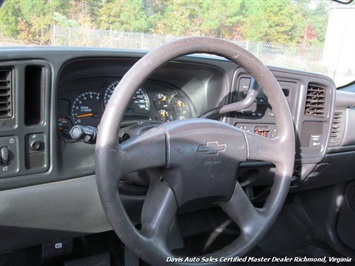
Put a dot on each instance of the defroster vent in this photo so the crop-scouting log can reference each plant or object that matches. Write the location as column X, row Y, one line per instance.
column 5, row 93
column 315, row 101
column 335, row 133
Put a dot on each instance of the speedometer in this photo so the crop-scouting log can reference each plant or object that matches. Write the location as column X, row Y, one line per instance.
column 140, row 100
column 109, row 92
column 139, row 103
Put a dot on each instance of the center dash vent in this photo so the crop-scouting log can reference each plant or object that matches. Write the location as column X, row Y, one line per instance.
column 315, row 101
column 5, row 93
column 335, row 133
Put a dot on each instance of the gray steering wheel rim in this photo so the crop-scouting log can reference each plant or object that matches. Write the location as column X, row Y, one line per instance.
column 108, row 151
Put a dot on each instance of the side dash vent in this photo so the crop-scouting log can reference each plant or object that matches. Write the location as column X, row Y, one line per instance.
column 335, row 133
column 315, row 101
column 5, row 93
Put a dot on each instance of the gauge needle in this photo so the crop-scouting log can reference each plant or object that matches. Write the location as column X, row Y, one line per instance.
column 85, row 115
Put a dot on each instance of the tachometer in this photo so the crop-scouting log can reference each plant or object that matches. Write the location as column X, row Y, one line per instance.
column 86, row 109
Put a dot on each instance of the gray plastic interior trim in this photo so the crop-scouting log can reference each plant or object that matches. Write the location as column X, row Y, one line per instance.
column 43, row 213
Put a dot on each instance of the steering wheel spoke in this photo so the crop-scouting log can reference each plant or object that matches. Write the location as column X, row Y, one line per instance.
column 261, row 148
column 241, row 211
column 145, row 151
column 158, row 212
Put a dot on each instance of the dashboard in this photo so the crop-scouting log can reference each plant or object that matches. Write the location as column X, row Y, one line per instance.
column 73, row 88
column 48, row 91
column 151, row 102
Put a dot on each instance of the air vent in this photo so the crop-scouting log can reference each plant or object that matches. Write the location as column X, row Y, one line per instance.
column 5, row 93
column 335, row 133
column 315, row 101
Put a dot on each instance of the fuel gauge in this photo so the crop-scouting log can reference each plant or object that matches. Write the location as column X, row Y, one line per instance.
column 64, row 125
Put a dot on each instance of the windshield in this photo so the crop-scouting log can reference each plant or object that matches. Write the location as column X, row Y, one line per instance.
column 311, row 35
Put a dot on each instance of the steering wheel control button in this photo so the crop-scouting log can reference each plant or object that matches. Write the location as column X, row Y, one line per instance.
column 8, row 156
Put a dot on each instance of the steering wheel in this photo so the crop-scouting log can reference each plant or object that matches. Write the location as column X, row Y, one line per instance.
column 195, row 158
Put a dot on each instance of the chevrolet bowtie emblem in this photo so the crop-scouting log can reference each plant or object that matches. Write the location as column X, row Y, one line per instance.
column 212, row 147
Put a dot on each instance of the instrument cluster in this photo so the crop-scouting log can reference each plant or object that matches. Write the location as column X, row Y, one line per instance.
column 151, row 102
